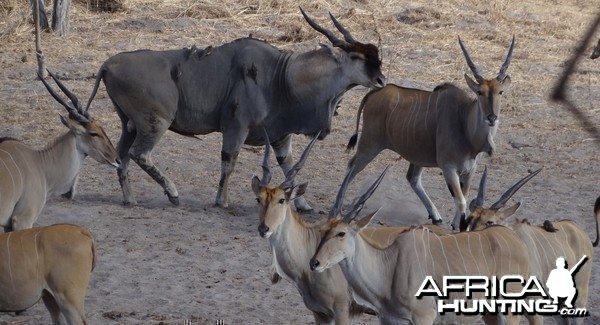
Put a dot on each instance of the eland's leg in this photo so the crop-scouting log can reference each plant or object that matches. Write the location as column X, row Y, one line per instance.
column 147, row 136
column 466, row 180
column 52, row 307
column 365, row 153
column 128, row 135
column 454, row 186
column 71, row 193
column 322, row 319
column 283, row 153
column 342, row 314
column 26, row 212
column 232, row 142
column 414, row 178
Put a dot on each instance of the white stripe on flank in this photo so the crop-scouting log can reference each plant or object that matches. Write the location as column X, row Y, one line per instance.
column 540, row 252
column 415, row 115
column 461, row 255
column 490, row 248
column 37, row 256
column 506, row 247
column 471, row 251
column 444, row 253
column 9, row 261
column 431, row 256
column 427, row 113
column 483, row 254
column 9, row 171
column 417, row 253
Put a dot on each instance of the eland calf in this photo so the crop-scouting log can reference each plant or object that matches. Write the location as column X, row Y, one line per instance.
column 51, row 263
column 28, row 177
column 293, row 241
column 545, row 243
column 441, row 128
column 385, row 267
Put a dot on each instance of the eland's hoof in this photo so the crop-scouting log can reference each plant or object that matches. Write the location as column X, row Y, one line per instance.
column 436, row 221
column 302, row 206
column 130, row 203
column 173, row 199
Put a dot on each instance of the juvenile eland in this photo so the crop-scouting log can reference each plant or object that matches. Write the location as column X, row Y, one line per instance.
column 51, row 263
column 28, row 176
column 237, row 89
column 441, row 128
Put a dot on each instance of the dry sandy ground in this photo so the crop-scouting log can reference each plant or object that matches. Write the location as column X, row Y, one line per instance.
column 161, row 264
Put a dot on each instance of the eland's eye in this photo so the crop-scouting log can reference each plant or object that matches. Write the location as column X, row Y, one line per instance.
column 501, row 92
column 281, row 201
column 341, row 234
column 257, row 200
column 94, row 134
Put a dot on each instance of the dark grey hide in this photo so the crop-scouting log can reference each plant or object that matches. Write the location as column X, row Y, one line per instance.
column 238, row 89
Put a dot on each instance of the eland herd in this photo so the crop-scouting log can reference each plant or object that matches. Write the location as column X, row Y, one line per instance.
column 256, row 94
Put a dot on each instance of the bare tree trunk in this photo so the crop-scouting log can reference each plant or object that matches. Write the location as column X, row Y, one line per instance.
column 41, row 13
column 60, row 16
column 38, row 42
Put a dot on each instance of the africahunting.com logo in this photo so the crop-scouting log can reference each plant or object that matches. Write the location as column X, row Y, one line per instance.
column 500, row 296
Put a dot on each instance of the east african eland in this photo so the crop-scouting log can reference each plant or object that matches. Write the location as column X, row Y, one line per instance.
column 385, row 266
column 293, row 240
column 237, row 89
column 545, row 243
column 441, row 128
column 28, row 176
column 51, row 263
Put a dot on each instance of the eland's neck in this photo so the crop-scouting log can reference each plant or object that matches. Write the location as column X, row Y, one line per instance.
column 480, row 134
column 314, row 83
column 370, row 270
column 294, row 244
column 61, row 162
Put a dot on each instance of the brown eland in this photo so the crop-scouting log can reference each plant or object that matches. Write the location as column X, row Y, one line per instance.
column 443, row 128
column 386, row 267
column 293, row 240
column 237, row 89
column 545, row 243
column 51, row 263
column 28, row 176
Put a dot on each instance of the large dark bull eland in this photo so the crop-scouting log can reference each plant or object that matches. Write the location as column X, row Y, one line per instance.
column 441, row 128
column 237, row 89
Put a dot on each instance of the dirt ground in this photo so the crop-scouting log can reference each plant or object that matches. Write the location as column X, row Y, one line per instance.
column 199, row 264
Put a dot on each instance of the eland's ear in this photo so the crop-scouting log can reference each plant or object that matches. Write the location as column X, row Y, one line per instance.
column 506, row 82
column 295, row 192
column 364, row 221
column 64, row 120
column 502, row 215
column 256, row 185
column 331, row 49
column 472, row 83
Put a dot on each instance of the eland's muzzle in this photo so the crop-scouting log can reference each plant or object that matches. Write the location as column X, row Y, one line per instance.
column 262, row 230
column 314, row 263
column 492, row 118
